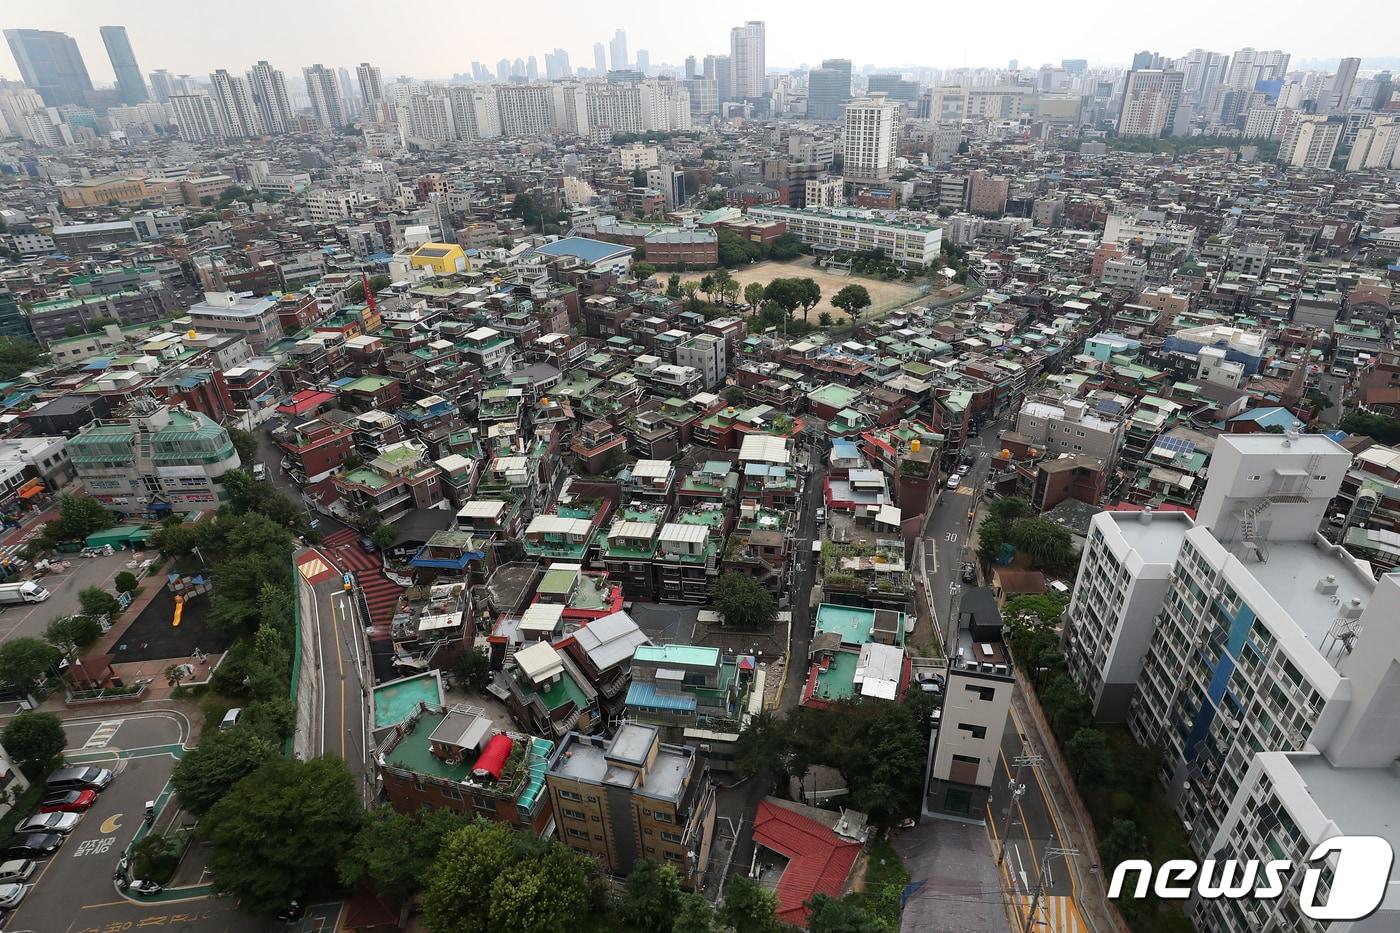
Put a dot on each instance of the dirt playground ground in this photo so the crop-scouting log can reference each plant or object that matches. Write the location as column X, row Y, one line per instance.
column 884, row 296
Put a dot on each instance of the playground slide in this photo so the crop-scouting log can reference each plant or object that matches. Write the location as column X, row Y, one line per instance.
column 179, row 609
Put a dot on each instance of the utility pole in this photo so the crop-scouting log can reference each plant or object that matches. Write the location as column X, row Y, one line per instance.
column 1027, row 759
column 1050, row 853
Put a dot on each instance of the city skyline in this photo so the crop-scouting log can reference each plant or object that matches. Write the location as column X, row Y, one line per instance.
column 954, row 38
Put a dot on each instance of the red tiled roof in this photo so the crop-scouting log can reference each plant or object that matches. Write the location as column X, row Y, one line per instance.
column 819, row 861
column 304, row 401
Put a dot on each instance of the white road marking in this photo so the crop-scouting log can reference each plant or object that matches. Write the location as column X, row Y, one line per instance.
column 104, row 733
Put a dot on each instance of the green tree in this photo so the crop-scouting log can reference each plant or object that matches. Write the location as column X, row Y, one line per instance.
column 853, row 299
column 394, row 853
column 383, row 537
column 707, row 285
column 785, row 293
column 809, row 293
column 1089, row 757
column 547, row 894
column 1382, row 428
column 246, row 445
column 749, row 908
column 673, row 286
column 279, row 832
column 825, row 319
column 651, row 897
column 78, row 517
column 1068, row 709
column 210, row 770
column 641, row 271
column 690, row 288
column 1034, row 612
column 734, row 395
column 33, row 740
column 458, row 893
column 126, row 582
column 694, row 915
column 473, row 669
column 1008, row 509
column 24, row 662
column 96, row 602
column 71, row 634
column 842, row 915
column 786, row 247
column 753, row 294
column 744, row 603
column 1048, row 545
column 1123, row 841
column 17, row 356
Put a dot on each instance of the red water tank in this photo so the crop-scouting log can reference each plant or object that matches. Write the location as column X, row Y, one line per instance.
column 493, row 758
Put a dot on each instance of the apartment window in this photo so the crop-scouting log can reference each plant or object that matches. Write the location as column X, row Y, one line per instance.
column 575, row 814
column 983, row 693
column 579, row 834
column 672, row 837
column 662, row 817
column 569, row 795
column 673, row 857
column 976, row 732
column 966, row 760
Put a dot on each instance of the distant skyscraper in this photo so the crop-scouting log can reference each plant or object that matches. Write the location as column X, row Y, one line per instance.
column 532, row 69
column 372, row 82
column 746, row 49
column 600, row 59
column 617, row 48
column 322, row 87
column 1205, row 71
column 348, row 98
column 1250, row 66
column 237, row 111
column 1342, row 84
column 828, row 88
column 269, row 87
column 690, row 73
column 1013, row 64
column 1150, row 102
column 503, row 70
column 556, row 65
column 517, row 68
column 720, row 69
column 50, row 63
column 871, row 138
column 1074, row 66
column 643, row 60
column 162, row 85
column 130, row 88
column 197, row 116
column 1145, row 60
column 1311, row 142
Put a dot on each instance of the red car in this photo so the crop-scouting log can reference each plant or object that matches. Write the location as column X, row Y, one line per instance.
column 68, row 801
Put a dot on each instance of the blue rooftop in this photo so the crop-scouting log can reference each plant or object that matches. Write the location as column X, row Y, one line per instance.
column 842, row 449
column 589, row 251
column 1268, row 417
column 643, row 694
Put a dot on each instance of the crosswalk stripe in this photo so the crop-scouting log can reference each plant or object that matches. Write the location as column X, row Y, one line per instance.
column 104, row 733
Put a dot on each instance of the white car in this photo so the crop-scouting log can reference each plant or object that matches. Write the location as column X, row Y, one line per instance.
column 61, row 823
column 16, row 870
column 955, row 481
column 11, row 894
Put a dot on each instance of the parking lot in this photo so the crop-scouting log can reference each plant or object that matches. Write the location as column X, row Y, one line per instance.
column 30, row 619
column 73, row 889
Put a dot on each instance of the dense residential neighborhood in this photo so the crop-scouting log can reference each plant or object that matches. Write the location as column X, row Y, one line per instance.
column 694, row 497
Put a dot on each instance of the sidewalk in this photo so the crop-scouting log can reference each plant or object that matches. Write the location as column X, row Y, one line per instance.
column 1073, row 820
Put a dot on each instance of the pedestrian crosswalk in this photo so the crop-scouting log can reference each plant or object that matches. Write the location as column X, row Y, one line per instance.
column 1055, row 915
column 104, row 733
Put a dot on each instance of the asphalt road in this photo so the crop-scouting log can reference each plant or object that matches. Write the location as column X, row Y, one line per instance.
column 1033, row 828
column 339, row 656
column 30, row 619
column 73, row 890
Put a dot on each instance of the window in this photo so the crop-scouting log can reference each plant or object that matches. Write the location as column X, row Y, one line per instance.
column 966, row 760
column 976, row 732
column 672, row 837
column 673, row 857
column 568, row 795
column 662, row 817
column 983, row 693
column 579, row 834
column 575, row 814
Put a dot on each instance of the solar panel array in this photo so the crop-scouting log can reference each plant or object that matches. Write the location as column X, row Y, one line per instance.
column 1177, row 445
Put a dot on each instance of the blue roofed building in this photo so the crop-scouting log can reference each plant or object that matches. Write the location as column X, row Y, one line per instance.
column 1273, row 419
column 693, row 693
column 595, row 254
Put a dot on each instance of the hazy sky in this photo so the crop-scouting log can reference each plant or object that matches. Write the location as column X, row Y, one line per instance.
column 437, row 39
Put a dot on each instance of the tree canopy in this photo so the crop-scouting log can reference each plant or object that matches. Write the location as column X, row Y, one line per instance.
column 853, row 299
column 78, row 517
column 1382, row 428
column 24, row 662
column 744, row 603
column 33, row 739
column 279, row 833
column 221, row 759
column 393, row 853
column 17, row 356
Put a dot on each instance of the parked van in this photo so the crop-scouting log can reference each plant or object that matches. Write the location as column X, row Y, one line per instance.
column 80, row 778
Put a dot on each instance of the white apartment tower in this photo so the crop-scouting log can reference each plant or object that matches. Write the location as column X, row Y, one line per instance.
column 323, row 88
column 197, row 117
column 269, row 88
column 1239, row 635
column 1340, row 94
column 371, row 83
column 235, row 101
column 526, row 109
column 871, row 138
column 475, row 113
column 1250, row 66
column 1150, row 103
column 746, row 52
column 1311, row 141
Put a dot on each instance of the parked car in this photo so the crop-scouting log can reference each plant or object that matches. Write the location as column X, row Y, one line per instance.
column 367, row 544
column 32, row 845
column 930, row 683
column 259, row 472
column 68, row 801
column 231, row 719
column 11, row 894
column 968, row 572
column 955, row 481
column 17, row 870
column 61, row 823
column 821, row 516
column 79, row 779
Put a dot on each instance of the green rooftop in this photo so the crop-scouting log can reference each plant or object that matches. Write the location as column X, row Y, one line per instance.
column 368, row 384
column 837, row 682
column 852, row 623
column 396, row 701
column 695, row 655
column 558, row 581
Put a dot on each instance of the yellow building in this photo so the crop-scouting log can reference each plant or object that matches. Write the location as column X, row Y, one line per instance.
column 441, row 258
column 98, row 192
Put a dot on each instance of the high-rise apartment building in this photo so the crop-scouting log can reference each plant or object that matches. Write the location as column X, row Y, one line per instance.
column 720, row 69
column 526, row 109
column 130, row 88
column 1342, row 83
column 690, row 70
column 1376, row 146
column 51, row 64
column 162, row 85
column 828, row 89
column 1150, row 103
column 556, row 65
column 643, row 61
column 746, row 50
column 237, row 111
column 1204, row 72
column 327, row 107
column 269, row 88
column 1241, row 634
column 371, row 83
column 871, row 139
column 197, row 116
column 617, row 48
column 600, row 59
column 1250, row 66
column 1311, row 141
